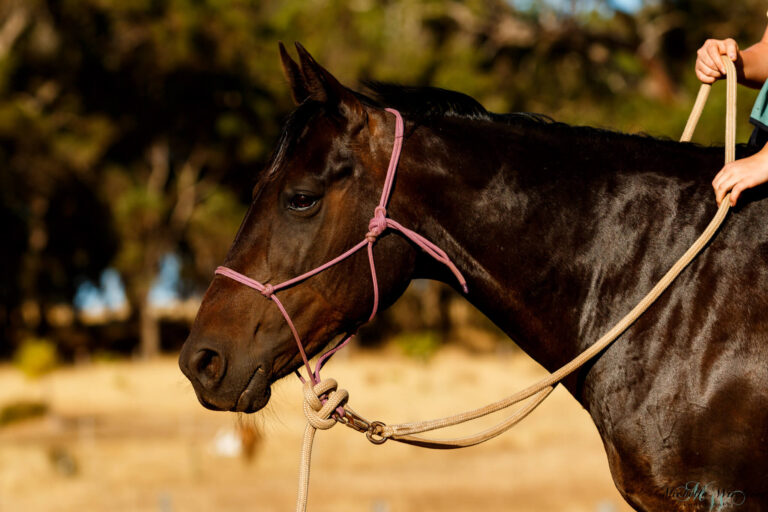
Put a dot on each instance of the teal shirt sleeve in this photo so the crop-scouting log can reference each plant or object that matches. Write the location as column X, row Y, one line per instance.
column 759, row 115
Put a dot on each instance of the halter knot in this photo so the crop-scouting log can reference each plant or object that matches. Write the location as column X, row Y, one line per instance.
column 321, row 401
column 377, row 224
column 268, row 290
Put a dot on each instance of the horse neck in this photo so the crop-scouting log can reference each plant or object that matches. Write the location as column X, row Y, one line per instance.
column 528, row 213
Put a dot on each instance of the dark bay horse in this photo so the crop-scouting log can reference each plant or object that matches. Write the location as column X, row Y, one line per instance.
column 559, row 231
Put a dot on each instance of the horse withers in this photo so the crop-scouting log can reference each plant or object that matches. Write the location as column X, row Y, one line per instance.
column 559, row 231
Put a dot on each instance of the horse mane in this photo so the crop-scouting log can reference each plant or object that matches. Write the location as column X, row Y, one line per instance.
column 426, row 103
column 420, row 104
column 423, row 105
column 289, row 134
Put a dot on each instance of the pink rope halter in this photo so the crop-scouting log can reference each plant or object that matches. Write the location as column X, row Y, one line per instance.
column 377, row 225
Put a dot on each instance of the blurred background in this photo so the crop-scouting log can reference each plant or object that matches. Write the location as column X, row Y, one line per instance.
column 131, row 132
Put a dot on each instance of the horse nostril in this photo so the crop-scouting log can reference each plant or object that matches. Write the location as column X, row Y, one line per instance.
column 209, row 367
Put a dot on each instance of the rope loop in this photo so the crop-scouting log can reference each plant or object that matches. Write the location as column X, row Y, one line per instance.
column 377, row 224
column 321, row 402
column 268, row 291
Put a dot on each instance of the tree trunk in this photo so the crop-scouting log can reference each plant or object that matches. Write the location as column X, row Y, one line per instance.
column 149, row 331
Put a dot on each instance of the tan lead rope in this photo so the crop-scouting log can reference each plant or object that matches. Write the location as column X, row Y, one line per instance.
column 319, row 414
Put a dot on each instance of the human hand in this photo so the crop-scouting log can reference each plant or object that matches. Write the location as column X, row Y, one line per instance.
column 709, row 64
column 740, row 175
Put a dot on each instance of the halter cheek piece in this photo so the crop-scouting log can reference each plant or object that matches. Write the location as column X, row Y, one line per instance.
column 377, row 225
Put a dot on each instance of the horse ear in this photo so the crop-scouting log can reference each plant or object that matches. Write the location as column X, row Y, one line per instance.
column 295, row 78
column 322, row 86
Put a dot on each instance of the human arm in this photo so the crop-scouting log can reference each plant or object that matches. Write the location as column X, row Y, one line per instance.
column 751, row 64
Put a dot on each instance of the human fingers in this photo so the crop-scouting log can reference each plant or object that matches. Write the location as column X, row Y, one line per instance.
column 741, row 184
column 722, row 190
column 723, row 182
column 736, row 183
column 722, row 175
column 752, row 178
column 736, row 192
column 714, row 51
column 707, row 60
column 731, row 49
column 705, row 74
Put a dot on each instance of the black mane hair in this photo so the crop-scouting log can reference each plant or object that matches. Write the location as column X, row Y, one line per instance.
column 424, row 103
column 289, row 135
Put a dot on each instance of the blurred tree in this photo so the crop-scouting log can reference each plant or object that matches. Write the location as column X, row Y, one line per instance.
column 115, row 130
column 129, row 130
column 57, row 230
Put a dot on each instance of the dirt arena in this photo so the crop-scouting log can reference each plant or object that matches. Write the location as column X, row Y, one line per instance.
column 132, row 437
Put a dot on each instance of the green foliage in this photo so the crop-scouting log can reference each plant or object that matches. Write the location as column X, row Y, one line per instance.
column 130, row 129
column 22, row 410
column 420, row 345
column 106, row 356
column 213, row 227
column 36, row 357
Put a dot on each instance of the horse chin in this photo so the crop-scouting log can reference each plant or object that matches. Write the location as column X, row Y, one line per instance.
column 255, row 395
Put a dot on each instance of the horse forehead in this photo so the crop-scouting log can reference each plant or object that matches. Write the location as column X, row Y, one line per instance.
column 319, row 143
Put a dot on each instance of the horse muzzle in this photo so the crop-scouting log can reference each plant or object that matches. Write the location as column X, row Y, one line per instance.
column 221, row 384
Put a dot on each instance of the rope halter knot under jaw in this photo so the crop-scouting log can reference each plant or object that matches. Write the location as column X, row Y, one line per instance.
column 324, row 403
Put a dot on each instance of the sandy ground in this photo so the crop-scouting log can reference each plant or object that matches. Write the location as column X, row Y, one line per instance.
column 132, row 437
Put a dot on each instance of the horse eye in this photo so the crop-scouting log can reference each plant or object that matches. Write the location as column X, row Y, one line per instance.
column 302, row 202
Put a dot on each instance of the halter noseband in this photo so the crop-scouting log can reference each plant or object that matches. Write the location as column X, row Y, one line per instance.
column 377, row 225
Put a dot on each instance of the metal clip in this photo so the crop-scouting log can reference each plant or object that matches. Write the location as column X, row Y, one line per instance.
column 373, row 430
column 355, row 422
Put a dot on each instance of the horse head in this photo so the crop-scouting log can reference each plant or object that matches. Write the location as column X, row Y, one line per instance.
column 312, row 202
